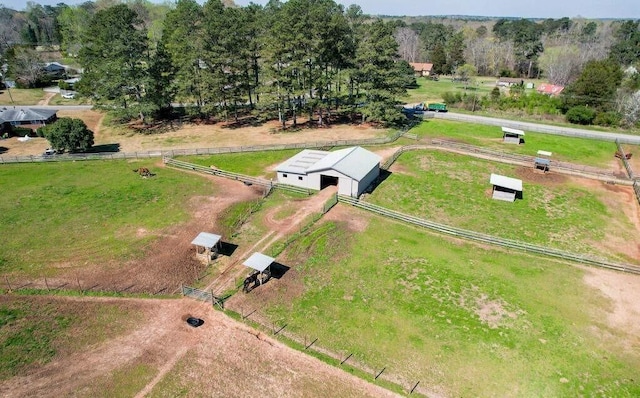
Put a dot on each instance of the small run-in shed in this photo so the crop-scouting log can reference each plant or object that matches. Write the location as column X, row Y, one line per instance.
column 542, row 161
column 506, row 188
column 512, row 136
column 207, row 245
column 261, row 264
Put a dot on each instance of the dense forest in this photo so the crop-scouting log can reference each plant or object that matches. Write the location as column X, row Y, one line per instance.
column 315, row 57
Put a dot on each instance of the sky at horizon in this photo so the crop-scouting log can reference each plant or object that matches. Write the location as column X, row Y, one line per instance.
column 625, row 9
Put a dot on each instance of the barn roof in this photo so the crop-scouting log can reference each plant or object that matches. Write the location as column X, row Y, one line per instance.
column 301, row 162
column 205, row 239
column 26, row 114
column 259, row 261
column 512, row 131
column 354, row 162
column 506, row 182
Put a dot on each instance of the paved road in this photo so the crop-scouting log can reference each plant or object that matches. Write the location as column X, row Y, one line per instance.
column 540, row 128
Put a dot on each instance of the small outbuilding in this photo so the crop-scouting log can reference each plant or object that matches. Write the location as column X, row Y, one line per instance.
column 542, row 161
column 506, row 188
column 260, row 264
column 351, row 169
column 207, row 245
column 512, row 136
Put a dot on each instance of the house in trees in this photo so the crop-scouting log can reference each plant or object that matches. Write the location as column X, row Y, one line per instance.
column 510, row 81
column 55, row 70
column 422, row 69
column 31, row 118
column 550, row 89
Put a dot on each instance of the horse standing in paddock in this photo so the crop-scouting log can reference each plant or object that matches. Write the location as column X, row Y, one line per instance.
column 143, row 172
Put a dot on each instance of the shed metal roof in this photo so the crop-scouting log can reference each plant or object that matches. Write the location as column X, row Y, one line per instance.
column 506, row 182
column 205, row 239
column 543, row 161
column 544, row 153
column 259, row 261
column 354, row 162
column 512, row 131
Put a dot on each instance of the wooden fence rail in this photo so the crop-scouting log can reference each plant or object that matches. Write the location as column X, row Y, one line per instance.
column 249, row 180
column 199, row 151
column 484, row 238
column 586, row 171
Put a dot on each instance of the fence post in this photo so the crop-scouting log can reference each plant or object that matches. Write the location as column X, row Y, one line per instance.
column 6, row 278
column 46, row 283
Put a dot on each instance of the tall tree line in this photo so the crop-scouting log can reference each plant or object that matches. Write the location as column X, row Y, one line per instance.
column 309, row 57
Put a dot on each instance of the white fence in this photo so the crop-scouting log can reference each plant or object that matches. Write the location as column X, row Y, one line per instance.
column 484, row 238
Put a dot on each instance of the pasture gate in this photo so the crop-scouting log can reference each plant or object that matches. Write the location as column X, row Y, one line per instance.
column 202, row 295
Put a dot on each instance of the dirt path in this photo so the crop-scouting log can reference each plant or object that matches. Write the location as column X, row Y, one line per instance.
column 279, row 228
column 47, row 97
column 623, row 290
column 221, row 358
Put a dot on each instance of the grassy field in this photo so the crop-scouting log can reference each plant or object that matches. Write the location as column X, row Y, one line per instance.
column 81, row 211
column 466, row 320
column 249, row 163
column 33, row 330
column 21, row 96
column 431, row 91
column 567, row 149
column 454, row 190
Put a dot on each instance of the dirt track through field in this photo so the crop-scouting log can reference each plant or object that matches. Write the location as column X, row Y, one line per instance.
column 279, row 229
column 222, row 350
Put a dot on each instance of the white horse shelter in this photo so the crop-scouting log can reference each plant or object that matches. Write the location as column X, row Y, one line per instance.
column 351, row 169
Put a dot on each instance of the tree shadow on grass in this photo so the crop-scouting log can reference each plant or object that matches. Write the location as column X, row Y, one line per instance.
column 104, row 148
column 248, row 121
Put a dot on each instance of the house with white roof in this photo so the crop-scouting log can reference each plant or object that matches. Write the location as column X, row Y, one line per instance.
column 351, row 169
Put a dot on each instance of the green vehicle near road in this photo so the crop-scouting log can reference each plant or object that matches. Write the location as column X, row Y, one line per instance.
column 437, row 107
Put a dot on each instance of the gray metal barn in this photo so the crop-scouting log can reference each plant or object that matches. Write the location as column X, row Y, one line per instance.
column 351, row 169
column 506, row 188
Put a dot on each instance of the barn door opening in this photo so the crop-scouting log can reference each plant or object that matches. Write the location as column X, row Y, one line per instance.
column 327, row 181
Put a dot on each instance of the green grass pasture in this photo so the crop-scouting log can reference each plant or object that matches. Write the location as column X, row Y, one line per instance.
column 454, row 189
column 85, row 211
column 462, row 319
column 33, row 330
column 431, row 91
column 567, row 149
column 248, row 163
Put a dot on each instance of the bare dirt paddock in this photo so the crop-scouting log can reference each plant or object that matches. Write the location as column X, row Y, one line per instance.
column 188, row 136
column 221, row 358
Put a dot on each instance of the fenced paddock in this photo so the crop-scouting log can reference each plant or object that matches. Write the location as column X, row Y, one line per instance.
column 541, row 128
column 510, row 158
column 249, row 180
column 484, row 238
column 199, row 151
